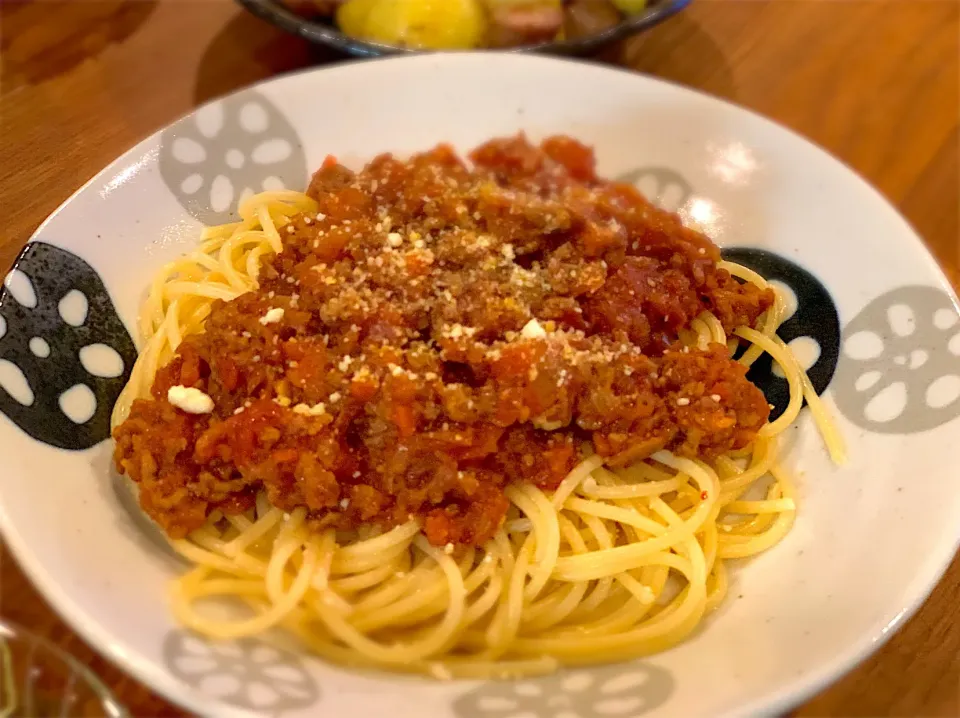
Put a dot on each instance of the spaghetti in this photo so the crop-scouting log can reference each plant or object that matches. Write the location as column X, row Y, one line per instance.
column 615, row 562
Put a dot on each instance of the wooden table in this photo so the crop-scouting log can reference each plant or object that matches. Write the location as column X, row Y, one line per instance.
column 875, row 82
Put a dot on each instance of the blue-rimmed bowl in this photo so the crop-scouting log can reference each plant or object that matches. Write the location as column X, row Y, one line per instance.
column 322, row 32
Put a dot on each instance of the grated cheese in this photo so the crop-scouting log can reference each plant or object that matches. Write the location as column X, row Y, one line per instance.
column 189, row 399
column 272, row 316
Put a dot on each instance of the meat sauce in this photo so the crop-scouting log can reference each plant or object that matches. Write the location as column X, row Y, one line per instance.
column 446, row 331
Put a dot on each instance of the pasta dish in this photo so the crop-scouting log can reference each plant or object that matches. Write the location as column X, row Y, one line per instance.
column 463, row 419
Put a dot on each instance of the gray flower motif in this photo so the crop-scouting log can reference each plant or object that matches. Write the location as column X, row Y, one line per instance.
column 614, row 691
column 228, row 150
column 899, row 370
column 663, row 186
column 246, row 673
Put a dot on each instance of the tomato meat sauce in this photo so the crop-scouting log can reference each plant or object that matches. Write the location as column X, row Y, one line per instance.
column 446, row 330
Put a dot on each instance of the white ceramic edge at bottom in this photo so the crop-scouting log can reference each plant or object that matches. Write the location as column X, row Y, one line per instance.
column 183, row 695
column 775, row 702
column 817, row 680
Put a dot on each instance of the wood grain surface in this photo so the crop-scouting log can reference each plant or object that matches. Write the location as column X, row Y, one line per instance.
column 875, row 82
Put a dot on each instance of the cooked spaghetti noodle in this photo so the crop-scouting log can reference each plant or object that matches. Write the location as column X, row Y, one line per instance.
column 615, row 562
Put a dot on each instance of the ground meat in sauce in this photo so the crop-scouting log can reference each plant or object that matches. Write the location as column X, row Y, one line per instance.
column 406, row 378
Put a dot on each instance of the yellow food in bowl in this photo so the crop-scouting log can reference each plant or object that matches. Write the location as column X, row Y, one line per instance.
column 430, row 24
column 467, row 24
column 493, row 5
column 630, row 7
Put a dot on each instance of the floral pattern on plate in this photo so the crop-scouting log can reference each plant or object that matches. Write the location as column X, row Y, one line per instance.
column 623, row 690
column 65, row 355
column 900, row 367
column 246, row 673
column 227, row 151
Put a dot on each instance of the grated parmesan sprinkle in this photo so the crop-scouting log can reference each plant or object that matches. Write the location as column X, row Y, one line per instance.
column 272, row 316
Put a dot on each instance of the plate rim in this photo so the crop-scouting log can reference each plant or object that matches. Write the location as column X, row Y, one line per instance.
column 772, row 700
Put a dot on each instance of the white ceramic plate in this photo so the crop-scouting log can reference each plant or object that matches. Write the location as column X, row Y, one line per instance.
column 870, row 540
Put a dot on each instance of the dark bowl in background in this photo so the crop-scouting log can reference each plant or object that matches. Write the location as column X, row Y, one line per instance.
column 326, row 33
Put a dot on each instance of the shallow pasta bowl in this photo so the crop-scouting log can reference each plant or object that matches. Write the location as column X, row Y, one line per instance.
column 883, row 346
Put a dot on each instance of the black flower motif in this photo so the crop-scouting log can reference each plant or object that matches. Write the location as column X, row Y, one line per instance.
column 814, row 326
column 900, row 370
column 227, row 150
column 246, row 673
column 615, row 691
column 64, row 353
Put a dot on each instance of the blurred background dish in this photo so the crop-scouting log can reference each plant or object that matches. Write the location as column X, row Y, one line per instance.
column 381, row 27
column 39, row 679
